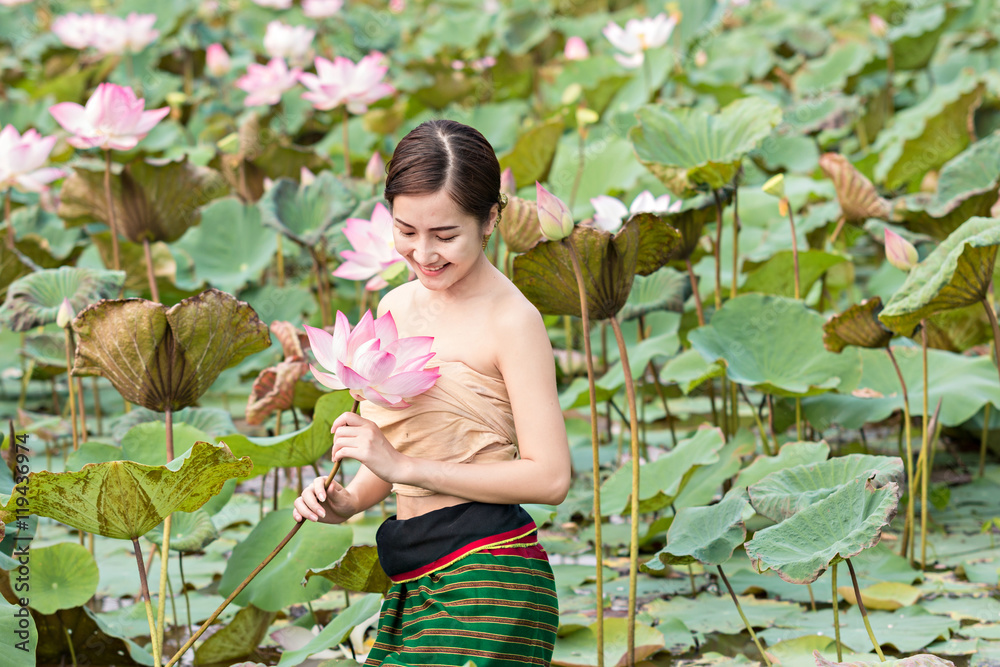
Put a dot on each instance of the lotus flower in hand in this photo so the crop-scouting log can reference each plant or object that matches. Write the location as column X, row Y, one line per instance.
column 372, row 361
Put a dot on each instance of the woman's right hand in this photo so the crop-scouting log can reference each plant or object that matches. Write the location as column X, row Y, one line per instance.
column 333, row 505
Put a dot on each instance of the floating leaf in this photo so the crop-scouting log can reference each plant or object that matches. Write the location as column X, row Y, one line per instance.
column 785, row 492
column 277, row 585
column 335, row 632
column 839, row 526
column 928, row 134
column 709, row 613
column 956, row 273
column 858, row 325
column 857, row 195
column 707, row 535
column 34, row 300
column 304, row 213
column 189, row 531
column 358, row 570
column 238, row 639
column 63, row 576
column 579, row 649
column 166, row 358
column 686, row 148
column 123, row 499
column 774, row 344
column 921, row 660
column 885, row 595
column 153, row 200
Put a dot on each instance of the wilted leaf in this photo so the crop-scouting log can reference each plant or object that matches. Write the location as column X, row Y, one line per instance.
column 885, row 595
column 238, row 639
column 532, row 155
column 34, row 300
column 921, row 660
column 579, row 649
column 858, row 325
column 358, row 570
column 857, row 196
column 335, row 632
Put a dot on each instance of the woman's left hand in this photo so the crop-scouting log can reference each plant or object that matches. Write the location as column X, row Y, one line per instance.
column 361, row 439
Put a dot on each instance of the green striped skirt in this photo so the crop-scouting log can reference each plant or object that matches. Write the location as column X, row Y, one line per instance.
column 470, row 582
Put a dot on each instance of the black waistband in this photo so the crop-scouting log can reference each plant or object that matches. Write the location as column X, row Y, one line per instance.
column 407, row 546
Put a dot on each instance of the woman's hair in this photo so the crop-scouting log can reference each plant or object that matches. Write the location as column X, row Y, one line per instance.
column 445, row 154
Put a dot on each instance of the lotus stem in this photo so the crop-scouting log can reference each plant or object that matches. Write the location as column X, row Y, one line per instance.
column 924, row 454
column 11, row 240
column 864, row 612
column 647, row 78
column 324, row 306
column 734, row 401
column 694, row 589
column 187, row 598
column 97, row 405
column 69, row 642
column 694, row 288
column 983, row 438
column 908, row 524
column 725, row 410
column 568, row 324
column 996, row 330
column 279, row 267
column 154, row 291
column 347, row 151
column 770, row 421
column 736, row 240
column 760, row 424
column 595, row 448
column 798, row 418
column 69, row 383
column 161, row 603
column 81, row 406
column 115, row 254
column 795, row 250
column 718, row 250
column 579, row 169
column 232, row 596
column 812, row 598
column 663, row 397
column 153, row 635
column 890, row 69
column 836, row 611
column 746, row 623
column 634, row 537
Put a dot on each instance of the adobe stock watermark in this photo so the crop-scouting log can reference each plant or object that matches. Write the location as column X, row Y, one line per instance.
column 21, row 579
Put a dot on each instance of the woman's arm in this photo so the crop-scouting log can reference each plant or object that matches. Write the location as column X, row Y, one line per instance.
column 337, row 503
column 541, row 475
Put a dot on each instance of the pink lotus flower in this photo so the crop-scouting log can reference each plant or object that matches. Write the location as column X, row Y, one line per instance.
column 507, row 184
column 375, row 169
column 129, row 35
column 291, row 42
column 878, row 25
column 899, row 251
column 112, row 119
column 321, row 9
column 374, row 250
column 576, row 49
column 609, row 212
column 78, row 31
column 274, row 4
column 21, row 160
column 266, row 83
column 342, row 82
column 372, row 361
column 639, row 36
column 12, row 3
column 553, row 215
column 217, row 61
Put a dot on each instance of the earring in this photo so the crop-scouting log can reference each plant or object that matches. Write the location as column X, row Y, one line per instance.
column 486, row 239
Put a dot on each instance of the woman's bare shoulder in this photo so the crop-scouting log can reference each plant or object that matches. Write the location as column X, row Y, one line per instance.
column 396, row 300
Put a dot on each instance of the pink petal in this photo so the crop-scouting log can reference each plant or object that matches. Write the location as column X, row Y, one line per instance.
column 414, row 364
column 409, row 384
column 365, row 331
column 385, row 401
column 70, row 115
column 149, row 120
column 322, row 345
column 326, row 379
column 385, row 330
column 375, row 365
column 352, row 379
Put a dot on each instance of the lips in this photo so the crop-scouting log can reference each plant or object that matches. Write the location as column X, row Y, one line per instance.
column 432, row 271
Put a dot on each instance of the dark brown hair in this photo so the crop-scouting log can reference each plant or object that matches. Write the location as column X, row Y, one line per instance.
column 445, row 154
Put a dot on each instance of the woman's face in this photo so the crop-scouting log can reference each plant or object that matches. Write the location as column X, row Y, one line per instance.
column 441, row 243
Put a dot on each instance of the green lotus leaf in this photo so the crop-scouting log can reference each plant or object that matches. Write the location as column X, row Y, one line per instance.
column 841, row 525
column 305, row 213
column 928, row 134
column 798, row 652
column 777, row 274
column 239, row 639
column 689, row 370
column 90, row 452
column 17, row 650
column 920, row 660
column 532, row 155
column 686, row 148
column 189, row 531
column 691, row 219
column 967, row 187
column 213, row 421
column 11, row 267
column 859, row 200
column 814, row 114
column 123, row 499
column 63, row 576
column 962, row 383
column 297, row 448
column 47, row 230
column 277, row 585
column 231, row 246
column 132, row 259
column 48, row 352
column 609, row 165
column 660, row 481
column 520, row 230
column 357, row 570
column 832, row 70
column 34, row 300
column 774, row 344
column 335, row 632
column 711, row 613
column 956, row 273
column 147, row 442
column 579, row 648
column 786, row 492
column 707, row 534
column 916, row 37
column 705, row 483
column 960, row 329
column 160, row 357
column 858, row 325
column 153, row 200
column 662, row 290
column 790, row 455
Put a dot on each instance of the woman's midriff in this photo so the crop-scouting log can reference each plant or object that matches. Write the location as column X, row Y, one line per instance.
column 408, row 507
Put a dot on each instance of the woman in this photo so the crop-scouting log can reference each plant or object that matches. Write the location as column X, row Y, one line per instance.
column 470, row 581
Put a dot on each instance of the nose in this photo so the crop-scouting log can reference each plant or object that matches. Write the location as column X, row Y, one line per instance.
column 423, row 252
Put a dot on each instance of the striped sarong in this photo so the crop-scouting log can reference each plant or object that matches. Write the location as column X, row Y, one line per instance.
column 470, row 582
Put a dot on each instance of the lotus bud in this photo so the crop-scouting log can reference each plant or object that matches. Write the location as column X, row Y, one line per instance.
column 585, row 116
column 507, row 184
column 899, row 251
column 554, row 217
column 217, row 60
column 700, row 58
column 878, row 25
column 65, row 314
column 306, row 177
column 576, row 49
column 783, row 207
column 375, row 169
column 775, row 186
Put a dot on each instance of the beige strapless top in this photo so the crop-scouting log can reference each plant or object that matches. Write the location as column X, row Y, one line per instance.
column 464, row 418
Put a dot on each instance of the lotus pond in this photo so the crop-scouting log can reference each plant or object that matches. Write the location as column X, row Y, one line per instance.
column 773, row 317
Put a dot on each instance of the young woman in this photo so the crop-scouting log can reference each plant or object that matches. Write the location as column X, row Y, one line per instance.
column 470, row 581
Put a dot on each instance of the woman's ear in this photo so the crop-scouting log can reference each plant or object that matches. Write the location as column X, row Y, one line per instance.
column 492, row 224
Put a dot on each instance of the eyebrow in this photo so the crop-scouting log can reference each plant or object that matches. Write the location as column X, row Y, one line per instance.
column 433, row 229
